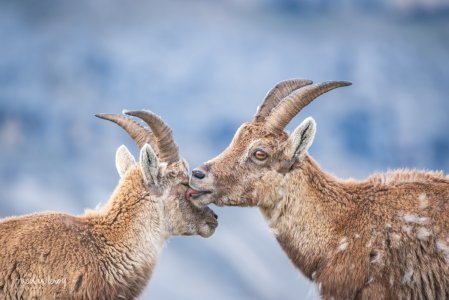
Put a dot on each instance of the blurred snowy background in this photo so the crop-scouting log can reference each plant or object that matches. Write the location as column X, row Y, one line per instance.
column 205, row 66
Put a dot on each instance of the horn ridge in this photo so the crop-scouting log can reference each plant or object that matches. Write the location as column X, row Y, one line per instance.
column 137, row 132
column 291, row 105
column 281, row 90
column 168, row 150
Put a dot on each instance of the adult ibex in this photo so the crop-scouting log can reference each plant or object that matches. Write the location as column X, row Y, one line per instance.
column 386, row 237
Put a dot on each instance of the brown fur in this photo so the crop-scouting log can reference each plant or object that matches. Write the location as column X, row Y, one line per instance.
column 383, row 238
column 105, row 254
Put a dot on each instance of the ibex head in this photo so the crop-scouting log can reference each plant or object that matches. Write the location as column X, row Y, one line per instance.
column 164, row 172
column 260, row 150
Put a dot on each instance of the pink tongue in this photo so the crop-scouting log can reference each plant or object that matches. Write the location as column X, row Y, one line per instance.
column 190, row 192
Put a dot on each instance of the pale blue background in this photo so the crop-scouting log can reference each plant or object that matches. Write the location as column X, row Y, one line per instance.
column 205, row 66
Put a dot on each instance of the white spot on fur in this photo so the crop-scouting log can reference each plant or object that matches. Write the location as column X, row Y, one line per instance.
column 423, row 203
column 396, row 239
column 391, row 280
column 407, row 278
column 371, row 279
column 423, row 233
column 411, row 218
column 343, row 244
column 314, row 275
column 443, row 247
column 357, row 236
column 408, row 229
column 388, row 225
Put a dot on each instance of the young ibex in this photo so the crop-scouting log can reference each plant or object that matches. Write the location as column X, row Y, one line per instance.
column 383, row 238
column 109, row 253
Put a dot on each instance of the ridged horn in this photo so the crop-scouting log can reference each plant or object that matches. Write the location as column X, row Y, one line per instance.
column 168, row 150
column 276, row 94
column 291, row 105
column 138, row 133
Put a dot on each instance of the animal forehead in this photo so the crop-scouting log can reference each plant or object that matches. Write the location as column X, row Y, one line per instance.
column 250, row 133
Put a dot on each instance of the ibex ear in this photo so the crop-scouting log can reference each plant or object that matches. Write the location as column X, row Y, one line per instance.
column 149, row 163
column 302, row 138
column 123, row 160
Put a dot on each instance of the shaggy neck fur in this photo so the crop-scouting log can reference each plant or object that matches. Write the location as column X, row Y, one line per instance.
column 132, row 225
column 383, row 238
column 300, row 209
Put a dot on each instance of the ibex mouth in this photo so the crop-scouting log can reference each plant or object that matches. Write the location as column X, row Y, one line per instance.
column 193, row 194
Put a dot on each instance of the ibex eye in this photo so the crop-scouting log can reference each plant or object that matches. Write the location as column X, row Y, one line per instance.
column 260, row 155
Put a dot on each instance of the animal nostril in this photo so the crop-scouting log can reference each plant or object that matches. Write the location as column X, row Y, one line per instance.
column 198, row 174
column 215, row 216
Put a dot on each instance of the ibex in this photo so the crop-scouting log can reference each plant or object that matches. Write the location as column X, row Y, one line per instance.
column 109, row 253
column 386, row 237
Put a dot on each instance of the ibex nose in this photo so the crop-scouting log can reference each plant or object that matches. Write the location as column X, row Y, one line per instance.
column 198, row 174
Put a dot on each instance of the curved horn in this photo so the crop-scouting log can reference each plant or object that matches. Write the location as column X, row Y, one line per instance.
column 291, row 105
column 276, row 94
column 138, row 133
column 168, row 150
